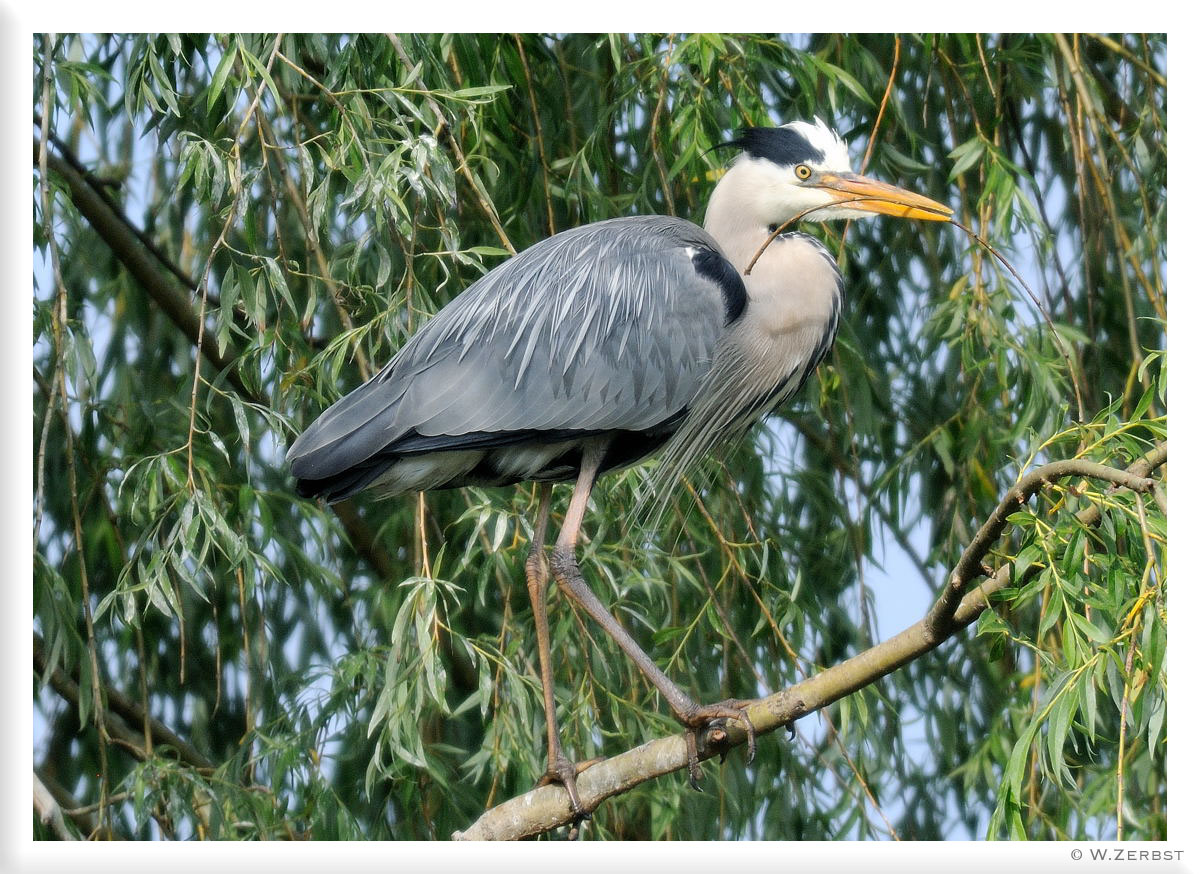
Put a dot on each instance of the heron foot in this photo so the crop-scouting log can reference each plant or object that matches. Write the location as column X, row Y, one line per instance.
column 561, row 770
column 712, row 717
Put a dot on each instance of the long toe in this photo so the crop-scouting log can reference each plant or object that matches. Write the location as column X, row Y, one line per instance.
column 563, row 771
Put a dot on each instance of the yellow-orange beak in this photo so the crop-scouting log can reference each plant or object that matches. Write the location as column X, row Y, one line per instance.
column 852, row 191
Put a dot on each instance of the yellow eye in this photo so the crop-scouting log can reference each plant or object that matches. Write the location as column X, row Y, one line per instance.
column 803, row 171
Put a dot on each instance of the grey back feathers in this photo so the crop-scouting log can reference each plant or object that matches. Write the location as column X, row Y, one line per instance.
column 610, row 327
column 643, row 333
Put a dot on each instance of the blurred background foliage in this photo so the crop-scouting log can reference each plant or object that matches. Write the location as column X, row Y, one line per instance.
column 215, row 658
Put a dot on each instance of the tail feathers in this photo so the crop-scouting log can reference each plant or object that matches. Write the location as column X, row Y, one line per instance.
column 344, row 484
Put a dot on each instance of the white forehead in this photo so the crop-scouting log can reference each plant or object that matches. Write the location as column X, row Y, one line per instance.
column 824, row 140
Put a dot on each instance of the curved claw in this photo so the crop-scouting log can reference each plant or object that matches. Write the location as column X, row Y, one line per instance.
column 735, row 710
column 751, row 737
column 694, row 772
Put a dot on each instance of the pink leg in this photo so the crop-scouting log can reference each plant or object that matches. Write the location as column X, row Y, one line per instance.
column 566, row 571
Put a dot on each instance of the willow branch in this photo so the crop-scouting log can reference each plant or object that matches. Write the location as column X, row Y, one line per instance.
column 119, row 713
column 101, row 186
column 49, row 812
column 84, row 817
column 542, row 809
column 519, row 39
column 970, row 564
column 119, row 235
column 481, row 195
column 145, row 267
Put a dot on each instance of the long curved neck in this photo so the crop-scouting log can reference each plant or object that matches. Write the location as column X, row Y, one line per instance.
column 795, row 286
column 733, row 219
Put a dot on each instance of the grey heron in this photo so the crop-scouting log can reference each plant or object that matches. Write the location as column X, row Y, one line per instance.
column 601, row 345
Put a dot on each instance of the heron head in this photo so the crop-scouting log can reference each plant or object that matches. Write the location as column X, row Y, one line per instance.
column 804, row 167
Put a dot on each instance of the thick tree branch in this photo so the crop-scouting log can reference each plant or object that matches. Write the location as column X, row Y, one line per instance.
column 120, row 715
column 119, row 236
column 101, row 186
column 46, row 807
column 126, row 244
column 545, row 808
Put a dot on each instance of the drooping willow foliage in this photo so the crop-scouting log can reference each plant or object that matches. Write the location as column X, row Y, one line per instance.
column 231, row 231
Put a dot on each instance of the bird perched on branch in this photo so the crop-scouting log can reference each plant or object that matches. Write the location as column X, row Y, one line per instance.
column 601, row 345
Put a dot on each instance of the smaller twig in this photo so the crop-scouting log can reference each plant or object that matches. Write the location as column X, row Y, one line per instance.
column 1058, row 341
column 92, row 808
column 337, row 104
column 983, row 65
column 1112, row 45
column 300, row 204
column 1120, row 802
column 485, row 202
column 1160, row 497
column 766, row 614
column 537, row 132
column 202, row 291
column 39, row 492
column 858, row 777
column 883, row 102
column 783, row 227
column 970, row 564
column 654, row 150
column 119, row 713
column 251, row 677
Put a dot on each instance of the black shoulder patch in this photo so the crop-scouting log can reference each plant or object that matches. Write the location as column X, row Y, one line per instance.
column 713, row 266
column 781, row 145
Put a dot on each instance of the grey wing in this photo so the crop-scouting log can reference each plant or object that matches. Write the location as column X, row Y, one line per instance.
column 608, row 327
